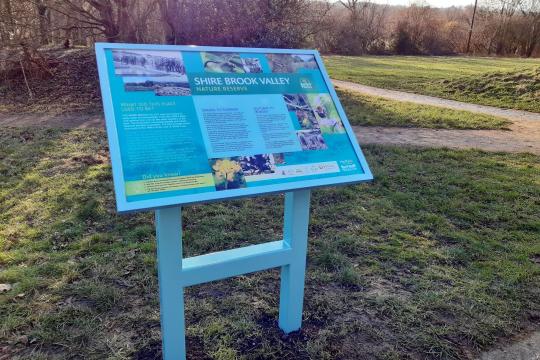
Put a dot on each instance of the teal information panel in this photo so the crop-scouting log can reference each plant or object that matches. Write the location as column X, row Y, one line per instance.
column 192, row 124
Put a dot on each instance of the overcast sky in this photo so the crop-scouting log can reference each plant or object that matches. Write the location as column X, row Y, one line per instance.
column 433, row 3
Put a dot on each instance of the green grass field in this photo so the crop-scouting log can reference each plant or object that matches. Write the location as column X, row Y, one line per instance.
column 437, row 258
column 501, row 82
column 376, row 111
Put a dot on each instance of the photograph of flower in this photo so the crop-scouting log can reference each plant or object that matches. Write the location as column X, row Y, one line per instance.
column 227, row 173
column 252, row 65
column 291, row 63
column 326, row 113
column 149, row 63
column 311, row 140
column 257, row 164
column 216, row 62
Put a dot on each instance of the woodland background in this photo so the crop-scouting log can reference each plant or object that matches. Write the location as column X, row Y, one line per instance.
column 352, row 27
column 41, row 39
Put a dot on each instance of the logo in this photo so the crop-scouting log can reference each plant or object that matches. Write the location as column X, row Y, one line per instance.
column 305, row 83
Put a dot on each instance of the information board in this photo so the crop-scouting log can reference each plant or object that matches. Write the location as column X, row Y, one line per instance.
column 191, row 124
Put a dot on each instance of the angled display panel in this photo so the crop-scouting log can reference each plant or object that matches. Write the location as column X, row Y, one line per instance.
column 194, row 124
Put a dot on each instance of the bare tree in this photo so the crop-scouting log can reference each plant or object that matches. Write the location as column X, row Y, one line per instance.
column 171, row 15
column 530, row 9
column 503, row 27
column 364, row 27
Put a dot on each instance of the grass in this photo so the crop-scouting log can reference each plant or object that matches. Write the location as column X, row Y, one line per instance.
column 501, row 82
column 437, row 258
column 376, row 111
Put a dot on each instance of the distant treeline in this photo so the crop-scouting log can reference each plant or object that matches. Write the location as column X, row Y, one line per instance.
column 501, row 27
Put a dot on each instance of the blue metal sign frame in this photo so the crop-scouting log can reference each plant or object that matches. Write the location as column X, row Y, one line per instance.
column 176, row 272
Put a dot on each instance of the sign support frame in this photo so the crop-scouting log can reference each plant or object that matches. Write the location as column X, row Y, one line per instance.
column 176, row 272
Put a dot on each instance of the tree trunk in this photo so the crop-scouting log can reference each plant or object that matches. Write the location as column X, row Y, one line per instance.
column 533, row 41
column 107, row 20
column 8, row 24
column 44, row 22
column 534, row 37
column 170, row 16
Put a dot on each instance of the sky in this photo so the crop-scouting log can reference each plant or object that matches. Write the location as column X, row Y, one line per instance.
column 432, row 3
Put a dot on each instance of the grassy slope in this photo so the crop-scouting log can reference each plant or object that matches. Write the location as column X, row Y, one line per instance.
column 376, row 111
column 73, row 87
column 508, row 83
column 437, row 257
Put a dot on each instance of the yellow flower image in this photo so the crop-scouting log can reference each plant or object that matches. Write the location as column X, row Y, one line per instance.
column 227, row 174
column 226, row 169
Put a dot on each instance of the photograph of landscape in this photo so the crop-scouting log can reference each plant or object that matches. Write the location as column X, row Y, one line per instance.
column 162, row 72
column 161, row 86
column 149, row 63
column 291, row 63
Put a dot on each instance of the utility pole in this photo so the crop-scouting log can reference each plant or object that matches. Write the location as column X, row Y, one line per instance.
column 472, row 25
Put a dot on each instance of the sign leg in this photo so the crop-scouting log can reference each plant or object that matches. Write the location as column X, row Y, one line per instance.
column 171, row 293
column 295, row 234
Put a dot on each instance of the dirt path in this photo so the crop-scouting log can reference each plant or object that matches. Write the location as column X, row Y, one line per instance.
column 526, row 349
column 514, row 115
column 45, row 120
column 523, row 137
column 524, row 134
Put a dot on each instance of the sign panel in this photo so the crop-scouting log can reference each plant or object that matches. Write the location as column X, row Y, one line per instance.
column 192, row 124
